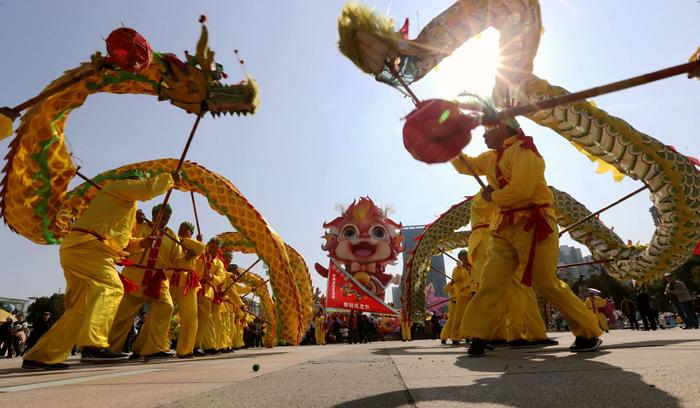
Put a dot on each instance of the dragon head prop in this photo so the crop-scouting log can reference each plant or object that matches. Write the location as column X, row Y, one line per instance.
column 193, row 85
column 363, row 234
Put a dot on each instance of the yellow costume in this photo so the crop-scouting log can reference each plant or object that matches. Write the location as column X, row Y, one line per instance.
column 451, row 291
column 525, row 215
column 93, row 288
column 184, row 284
column 463, row 290
column 522, row 319
column 320, row 329
column 208, row 303
column 232, row 311
column 597, row 304
column 155, row 289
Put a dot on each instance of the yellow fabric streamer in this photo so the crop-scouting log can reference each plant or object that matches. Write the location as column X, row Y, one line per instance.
column 5, row 127
column 603, row 166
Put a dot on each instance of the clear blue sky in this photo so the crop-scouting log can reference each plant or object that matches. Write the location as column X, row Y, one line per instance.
column 325, row 132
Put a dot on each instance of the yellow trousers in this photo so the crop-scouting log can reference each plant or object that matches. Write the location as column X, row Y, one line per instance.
column 238, row 340
column 525, row 320
column 153, row 337
column 93, row 292
column 507, row 255
column 187, row 307
column 213, row 329
column 602, row 321
column 203, row 312
column 406, row 330
column 447, row 328
column 457, row 332
column 320, row 335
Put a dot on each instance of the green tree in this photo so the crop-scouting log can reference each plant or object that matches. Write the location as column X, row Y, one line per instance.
column 54, row 304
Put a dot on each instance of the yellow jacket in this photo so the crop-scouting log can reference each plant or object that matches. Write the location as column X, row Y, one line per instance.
column 112, row 213
column 168, row 254
column 216, row 269
column 462, row 281
column 522, row 169
column 597, row 305
column 186, row 262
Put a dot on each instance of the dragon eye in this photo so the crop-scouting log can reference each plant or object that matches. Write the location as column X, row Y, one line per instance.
column 350, row 232
column 378, row 233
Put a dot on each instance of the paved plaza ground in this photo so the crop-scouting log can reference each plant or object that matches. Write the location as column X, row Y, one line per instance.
column 634, row 369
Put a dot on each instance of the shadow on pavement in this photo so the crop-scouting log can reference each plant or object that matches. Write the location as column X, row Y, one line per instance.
column 537, row 378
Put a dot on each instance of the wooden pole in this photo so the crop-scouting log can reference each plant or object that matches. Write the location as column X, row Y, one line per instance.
column 588, row 217
column 241, row 276
column 588, row 263
column 688, row 67
column 13, row 113
column 434, row 269
column 196, row 217
column 441, row 302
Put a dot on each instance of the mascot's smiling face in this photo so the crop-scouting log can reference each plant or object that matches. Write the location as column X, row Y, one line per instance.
column 363, row 234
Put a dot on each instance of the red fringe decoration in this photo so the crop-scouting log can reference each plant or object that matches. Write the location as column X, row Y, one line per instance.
column 129, row 285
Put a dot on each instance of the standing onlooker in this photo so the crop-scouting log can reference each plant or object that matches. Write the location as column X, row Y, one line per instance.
column 681, row 299
column 20, row 331
column 6, row 337
column 437, row 327
column 629, row 309
column 40, row 326
column 644, row 308
column 655, row 309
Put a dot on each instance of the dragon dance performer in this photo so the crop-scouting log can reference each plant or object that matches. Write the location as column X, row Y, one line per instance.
column 596, row 304
column 152, row 341
column 462, row 290
column 93, row 287
column 184, row 284
column 320, row 328
column 524, row 238
column 211, row 270
column 451, row 304
column 522, row 325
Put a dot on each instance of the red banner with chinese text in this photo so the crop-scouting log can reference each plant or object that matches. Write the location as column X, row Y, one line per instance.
column 344, row 292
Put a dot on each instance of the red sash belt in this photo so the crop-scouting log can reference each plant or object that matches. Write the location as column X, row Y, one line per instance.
column 192, row 279
column 479, row 226
column 129, row 285
column 541, row 230
column 153, row 277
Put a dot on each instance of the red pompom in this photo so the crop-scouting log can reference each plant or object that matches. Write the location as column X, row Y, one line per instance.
column 128, row 50
column 202, row 19
column 437, row 131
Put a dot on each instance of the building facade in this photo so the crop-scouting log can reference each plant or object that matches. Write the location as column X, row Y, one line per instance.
column 410, row 233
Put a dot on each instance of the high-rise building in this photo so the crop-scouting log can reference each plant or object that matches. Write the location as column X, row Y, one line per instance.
column 570, row 255
column 396, row 296
column 410, row 233
column 655, row 215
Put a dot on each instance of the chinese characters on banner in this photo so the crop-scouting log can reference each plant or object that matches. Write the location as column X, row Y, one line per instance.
column 344, row 292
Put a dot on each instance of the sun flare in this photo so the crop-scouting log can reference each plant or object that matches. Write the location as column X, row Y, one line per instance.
column 472, row 67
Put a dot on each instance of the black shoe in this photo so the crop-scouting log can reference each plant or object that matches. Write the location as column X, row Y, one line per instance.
column 35, row 365
column 498, row 343
column 443, row 341
column 100, row 355
column 135, row 357
column 477, row 348
column 455, row 342
column 186, row 356
column 521, row 343
column 211, row 351
column 198, row 353
column 225, row 351
column 159, row 355
column 547, row 342
column 583, row 344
